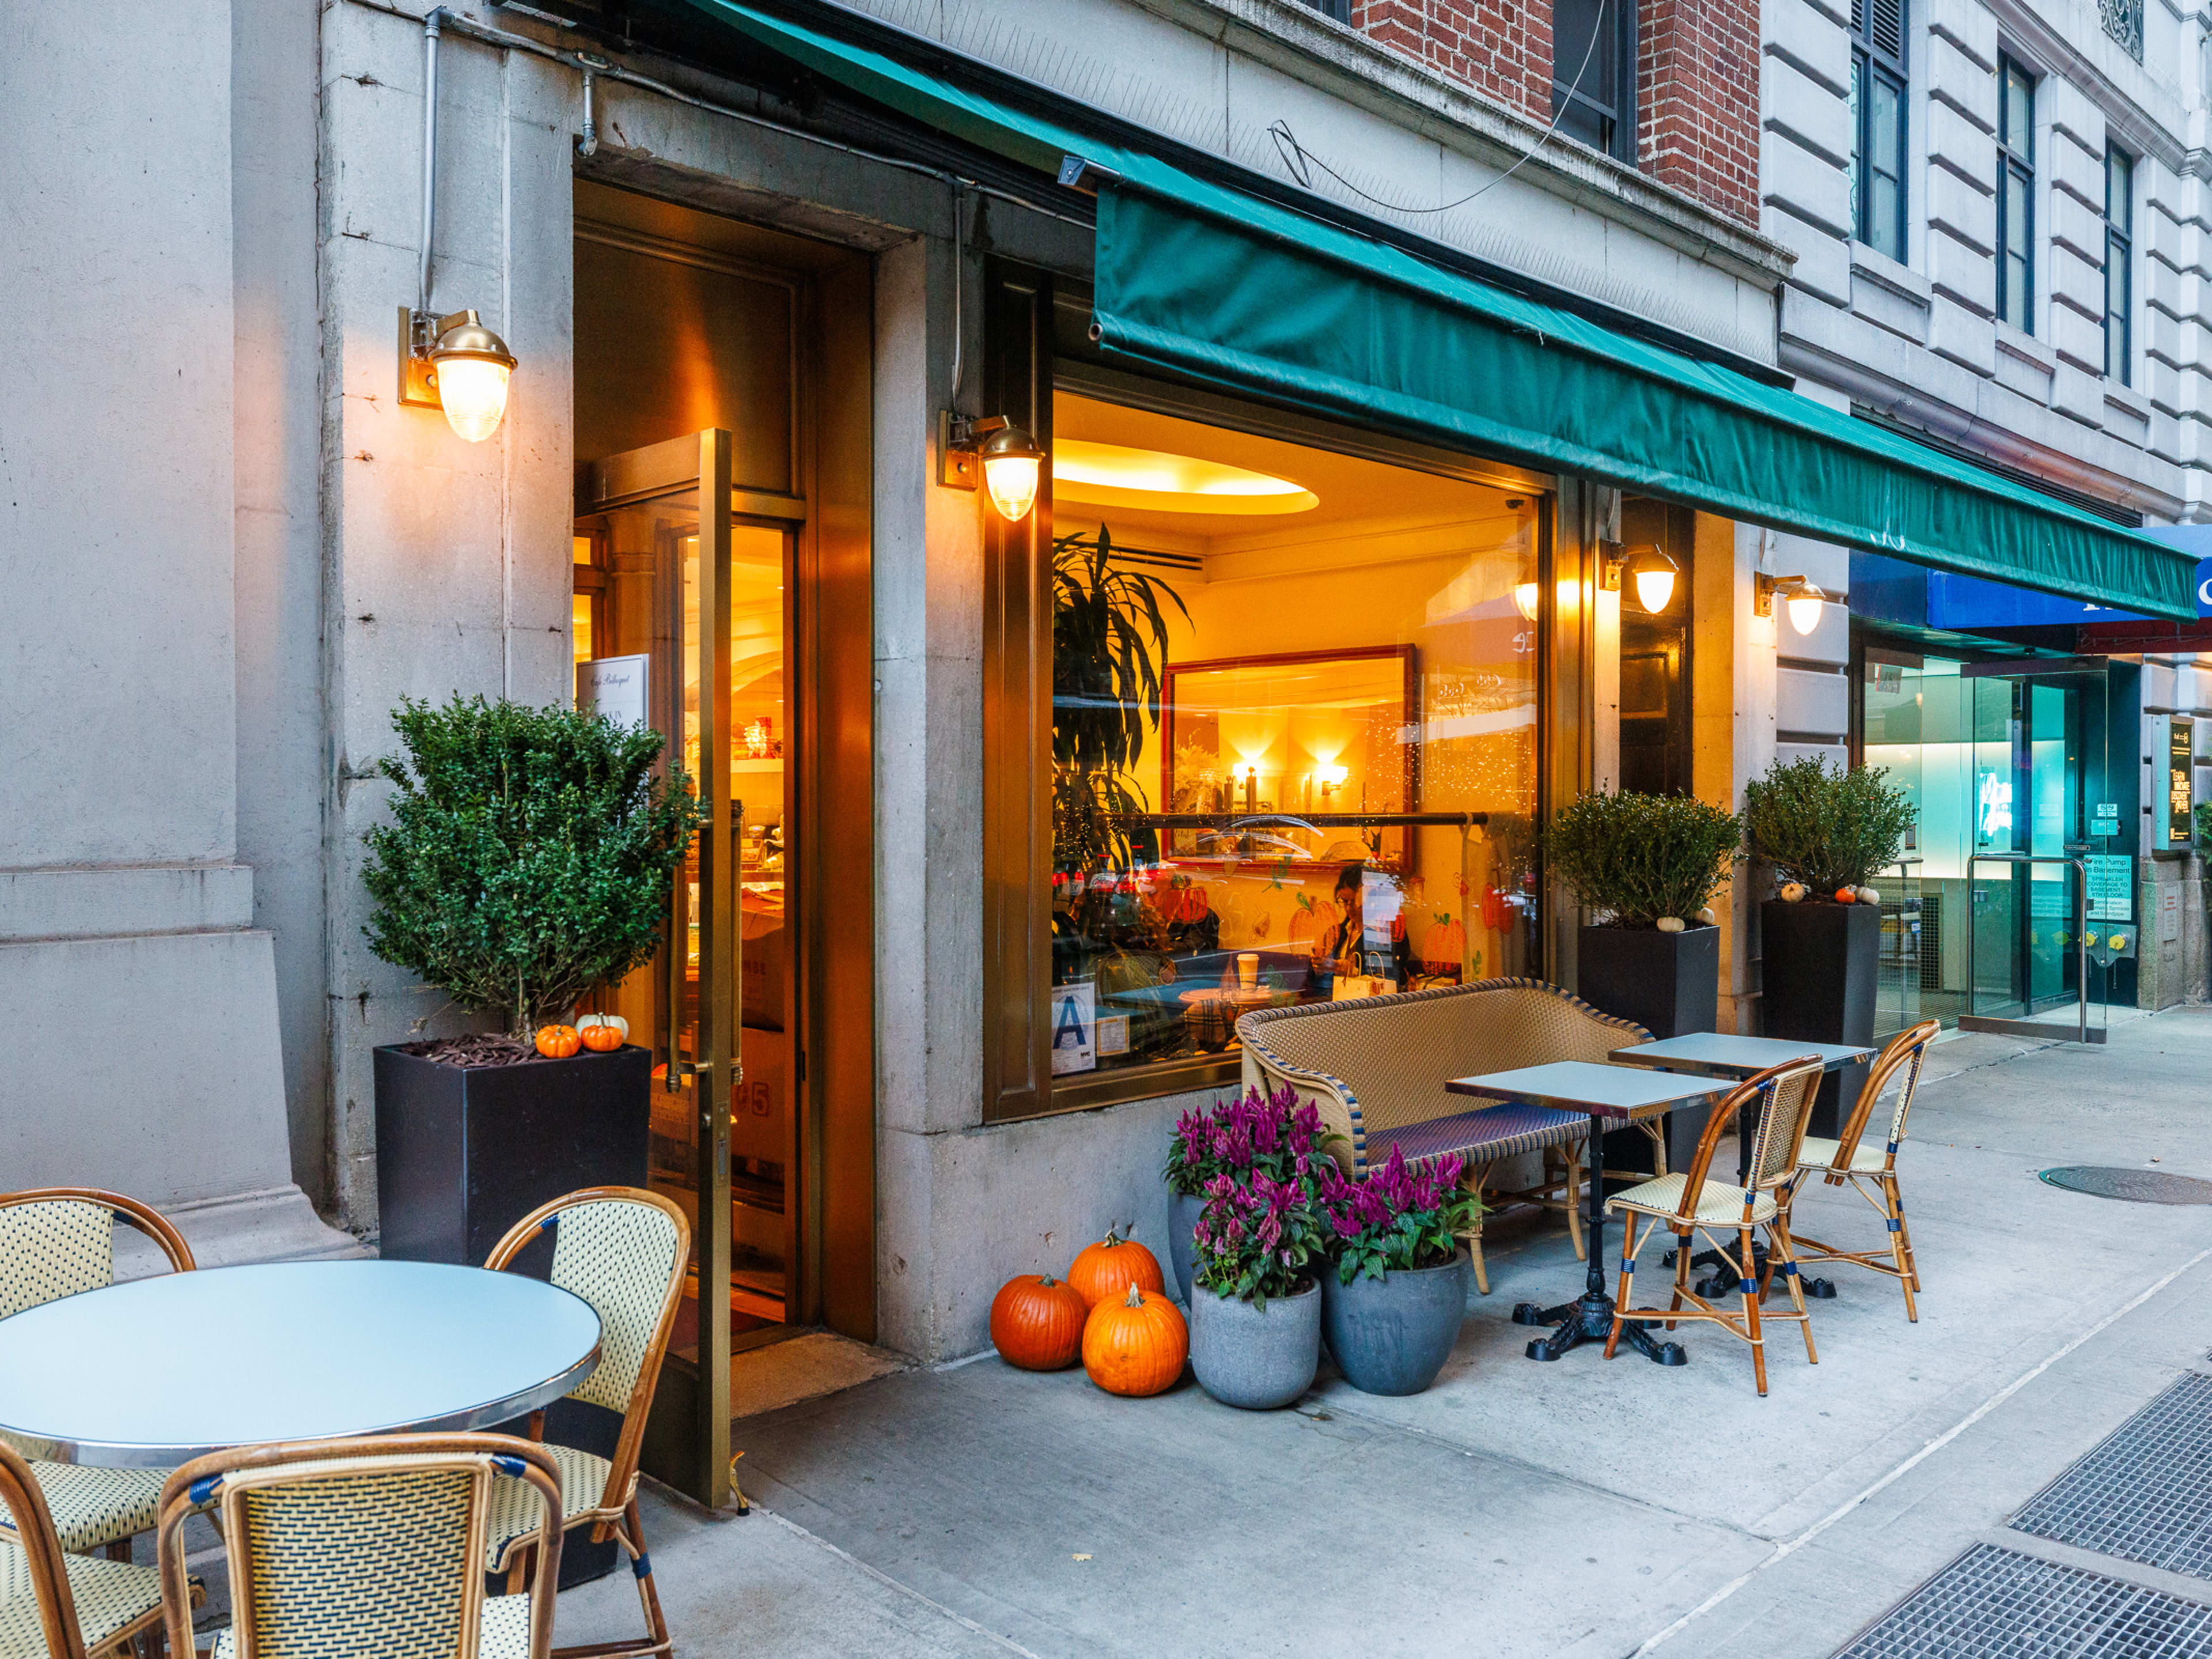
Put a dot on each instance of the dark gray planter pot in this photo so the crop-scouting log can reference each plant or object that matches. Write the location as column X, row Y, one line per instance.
column 1819, row 961
column 1392, row 1335
column 1182, row 1222
column 1254, row 1359
column 1670, row 985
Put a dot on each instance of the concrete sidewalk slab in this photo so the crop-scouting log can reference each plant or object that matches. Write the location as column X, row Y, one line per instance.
column 1578, row 1508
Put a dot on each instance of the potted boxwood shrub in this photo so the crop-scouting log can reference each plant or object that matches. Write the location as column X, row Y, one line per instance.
column 1256, row 1307
column 527, row 864
column 1827, row 832
column 1391, row 1309
column 1272, row 1133
column 1643, row 868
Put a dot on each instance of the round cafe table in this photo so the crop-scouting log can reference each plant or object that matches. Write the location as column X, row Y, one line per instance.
column 151, row 1374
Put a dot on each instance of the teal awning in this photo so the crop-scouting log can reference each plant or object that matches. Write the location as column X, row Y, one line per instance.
column 1204, row 280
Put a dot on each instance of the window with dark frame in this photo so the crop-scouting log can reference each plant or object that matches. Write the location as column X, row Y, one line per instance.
column 2015, row 195
column 2119, row 265
column 1339, row 10
column 1878, row 115
column 1594, row 74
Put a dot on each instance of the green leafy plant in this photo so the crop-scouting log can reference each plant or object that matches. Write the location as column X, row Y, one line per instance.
column 1109, row 638
column 1641, row 857
column 1824, row 826
column 529, row 856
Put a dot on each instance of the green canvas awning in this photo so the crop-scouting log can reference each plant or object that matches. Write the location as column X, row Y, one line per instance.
column 1198, row 277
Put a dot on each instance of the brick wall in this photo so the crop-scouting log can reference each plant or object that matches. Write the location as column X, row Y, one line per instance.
column 1502, row 48
column 1697, row 78
column 1697, row 101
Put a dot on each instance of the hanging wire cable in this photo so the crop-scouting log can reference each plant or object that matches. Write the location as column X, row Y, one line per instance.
column 1298, row 161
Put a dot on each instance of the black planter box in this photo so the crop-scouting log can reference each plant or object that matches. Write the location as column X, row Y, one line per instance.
column 1670, row 985
column 1819, row 962
column 463, row 1155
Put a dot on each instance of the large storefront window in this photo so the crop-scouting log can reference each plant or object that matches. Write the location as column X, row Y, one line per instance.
column 1295, row 734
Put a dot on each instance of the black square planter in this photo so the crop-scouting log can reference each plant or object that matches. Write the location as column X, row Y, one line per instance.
column 464, row 1154
column 1818, row 963
column 1670, row 985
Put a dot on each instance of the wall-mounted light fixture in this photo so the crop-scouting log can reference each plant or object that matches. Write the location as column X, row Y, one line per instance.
column 1805, row 600
column 1645, row 567
column 451, row 363
column 1008, row 458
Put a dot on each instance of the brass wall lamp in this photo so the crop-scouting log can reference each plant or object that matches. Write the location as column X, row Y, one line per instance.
column 1804, row 599
column 1646, row 566
column 451, row 363
column 1009, row 459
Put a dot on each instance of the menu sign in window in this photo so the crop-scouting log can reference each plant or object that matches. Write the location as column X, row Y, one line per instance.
column 2180, row 783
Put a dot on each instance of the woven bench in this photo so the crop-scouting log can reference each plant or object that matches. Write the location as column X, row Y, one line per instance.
column 1376, row 1067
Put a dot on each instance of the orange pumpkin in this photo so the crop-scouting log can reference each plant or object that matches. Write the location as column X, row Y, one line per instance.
column 1104, row 1270
column 558, row 1042
column 1443, row 946
column 1136, row 1344
column 1847, row 895
column 1036, row 1322
column 601, row 1039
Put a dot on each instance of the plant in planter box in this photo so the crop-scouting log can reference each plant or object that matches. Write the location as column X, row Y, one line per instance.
column 1826, row 827
column 1647, row 865
column 527, row 864
column 1391, row 1309
column 1827, row 832
column 1255, row 1304
column 1271, row 1134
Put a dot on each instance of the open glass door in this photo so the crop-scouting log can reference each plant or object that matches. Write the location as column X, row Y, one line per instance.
column 697, row 600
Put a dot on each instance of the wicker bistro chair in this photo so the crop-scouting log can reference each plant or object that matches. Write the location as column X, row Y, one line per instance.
column 1848, row 1161
column 624, row 1251
column 56, row 1242
column 371, row 1545
column 1689, row 1204
column 55, row 1605
column 1376, row 1067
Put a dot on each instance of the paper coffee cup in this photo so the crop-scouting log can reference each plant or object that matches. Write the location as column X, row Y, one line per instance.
column 1248, row 968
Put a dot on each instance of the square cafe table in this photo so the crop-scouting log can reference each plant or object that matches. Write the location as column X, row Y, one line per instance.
column 1715, row 1054
column 1610, row 1096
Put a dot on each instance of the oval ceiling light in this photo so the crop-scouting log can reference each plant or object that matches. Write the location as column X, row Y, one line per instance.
column 1114, row 475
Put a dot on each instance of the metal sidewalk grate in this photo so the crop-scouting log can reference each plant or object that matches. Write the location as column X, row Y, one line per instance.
column 1993, row 1604
column 2136, row 1186
column 2145, row 1493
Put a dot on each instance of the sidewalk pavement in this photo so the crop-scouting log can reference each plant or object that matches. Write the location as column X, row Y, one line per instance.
column 1582, row 1508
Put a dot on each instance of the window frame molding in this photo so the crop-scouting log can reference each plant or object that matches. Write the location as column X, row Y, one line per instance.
column 2015, row 189
column 2120, row 243
column 1869, row 61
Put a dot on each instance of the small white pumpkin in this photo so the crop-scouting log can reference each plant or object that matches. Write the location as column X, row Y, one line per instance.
column 1792, row 891
column 1706, row 917
column 1868, row 895
column 615, row 1020
column 1670, row 924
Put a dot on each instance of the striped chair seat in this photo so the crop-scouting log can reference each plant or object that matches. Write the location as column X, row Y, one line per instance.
column 517, row 1510
column 110, row 1595
column 93, row 1506
column 502, row 1631
column 1719, row 1204
column 1480, row 1137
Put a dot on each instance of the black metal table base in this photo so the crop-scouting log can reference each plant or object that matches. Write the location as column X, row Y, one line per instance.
column 1589, row 1319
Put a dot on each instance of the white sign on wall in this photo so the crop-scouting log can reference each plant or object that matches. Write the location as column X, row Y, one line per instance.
column 617, row 687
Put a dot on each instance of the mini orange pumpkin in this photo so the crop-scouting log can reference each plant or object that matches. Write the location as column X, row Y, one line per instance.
column 1847, row 895
column 558, row 1042
column 1135, row 1345
column 1104, row 1270
column 601, row 1039
column 1036, row 1322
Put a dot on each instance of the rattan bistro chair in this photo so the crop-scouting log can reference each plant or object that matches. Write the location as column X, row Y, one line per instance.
column 54, row 1605
column 1848, row 1161
column 1689, row 1204
column 56, row 1242
column 624, row 1251
column 370, row 1546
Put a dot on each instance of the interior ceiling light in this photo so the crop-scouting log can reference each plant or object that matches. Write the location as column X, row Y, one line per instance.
column 1114, row 475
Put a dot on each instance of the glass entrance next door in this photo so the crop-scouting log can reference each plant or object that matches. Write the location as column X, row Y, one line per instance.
column 2014, row 903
